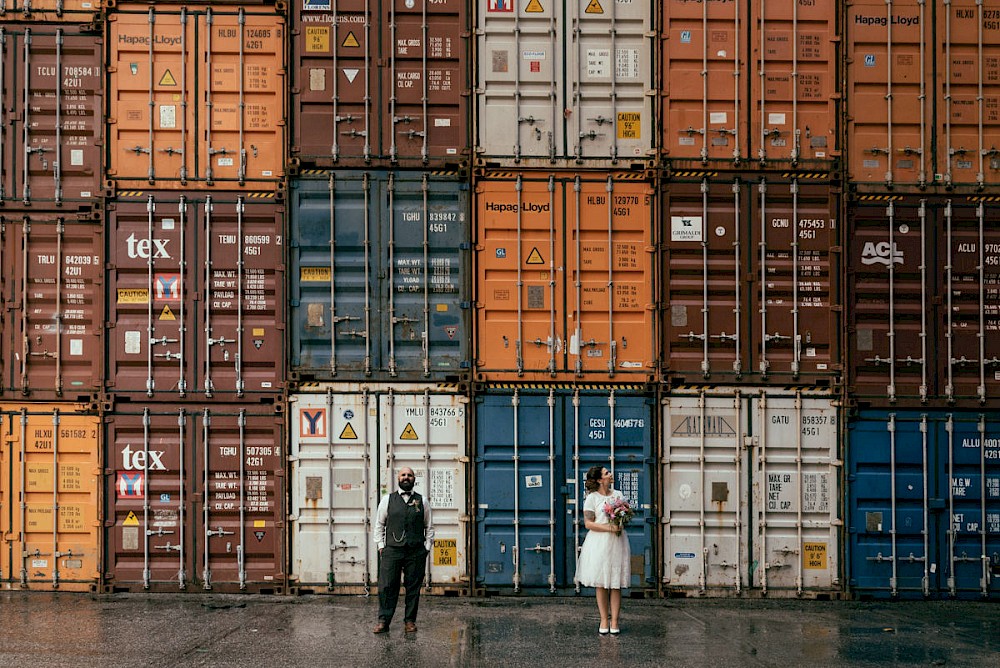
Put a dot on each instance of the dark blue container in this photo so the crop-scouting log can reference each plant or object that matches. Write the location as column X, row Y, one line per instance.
column 380, row 276
column 533, row 448
column 924, row 504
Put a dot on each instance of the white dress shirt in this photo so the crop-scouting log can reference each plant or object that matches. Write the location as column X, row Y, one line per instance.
column 383, row 512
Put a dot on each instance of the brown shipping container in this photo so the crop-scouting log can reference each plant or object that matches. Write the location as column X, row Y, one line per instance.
column 923, row 301
column 196, row 97
column 50, row 486
column 196, row 290
column 51, row 109
column 52, row 331
column 751, row 282
column 37, row 11
column 747, row 85
column 195, row 499
column 380, row 87
column 565, row 276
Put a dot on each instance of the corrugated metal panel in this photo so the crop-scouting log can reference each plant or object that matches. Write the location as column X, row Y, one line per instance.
column 924, row 504
column 51, row 108
column 196, row 97
column 565, row 279
column 533, row 449
column 195, row 499
column 76, row 11
column 348, row 444
column 566, row 86
column 53, row 327
column 380, row 268
column 50, row 488
column 751, row 489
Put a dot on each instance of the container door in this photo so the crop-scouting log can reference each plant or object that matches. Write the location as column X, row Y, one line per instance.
column 51, row 496
column 521, row 103
column 796, row 492
column 51, row 10
column 334, row 489
column 427, row 433
column 613, row 430
column 520, row 517
column 705, row 496
column 55, row 307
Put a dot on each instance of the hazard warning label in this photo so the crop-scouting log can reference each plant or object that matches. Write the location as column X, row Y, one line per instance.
column 167, row 79
column 594, row 7
column 348, row 433
column 131, row 520
column 409, row 433
column 534, row 7
column 351, row 41
column 167, row 314
column 534, row 257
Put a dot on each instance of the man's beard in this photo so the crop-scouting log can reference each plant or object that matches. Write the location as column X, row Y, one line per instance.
column 406, row 485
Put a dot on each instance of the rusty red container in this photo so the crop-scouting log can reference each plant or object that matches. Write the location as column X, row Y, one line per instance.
column 922, row 298
column 51, row 109
column 195, row 499
column 752, row 273
column 381, row 84
column 52, row 331
column 196, row 297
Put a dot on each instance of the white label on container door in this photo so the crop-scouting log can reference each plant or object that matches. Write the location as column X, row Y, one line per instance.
column 167, row 223
column 76, row 157
column 442, row 122
column 133, row 343
column 598, row 63
column 76, row 347
column 532, row 55
column 815, row 493
column 442, row 488
column 532, row 481
column 685, row 228
column 317, row 79
column 39, row 563
column 225, row 162
column 266, row 172
column 627, row 63
column 717, row 117
column 775, row 119
column 168, row 116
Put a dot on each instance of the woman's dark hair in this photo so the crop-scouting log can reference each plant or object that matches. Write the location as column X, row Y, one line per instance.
column 593, row 479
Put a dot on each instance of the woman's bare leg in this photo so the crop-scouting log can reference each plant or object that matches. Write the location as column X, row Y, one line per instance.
column 602, row 606
column 616, row 606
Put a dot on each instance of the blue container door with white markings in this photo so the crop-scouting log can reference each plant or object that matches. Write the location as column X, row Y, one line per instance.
column 380, row 273
column 924, row 504
column 533, row 449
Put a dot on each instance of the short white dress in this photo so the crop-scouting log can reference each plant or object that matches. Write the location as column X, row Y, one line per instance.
column 605, row 559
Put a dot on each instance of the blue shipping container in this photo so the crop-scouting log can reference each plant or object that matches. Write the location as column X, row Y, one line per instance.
column 380, row 276
column 924, row 504
column 533, row 449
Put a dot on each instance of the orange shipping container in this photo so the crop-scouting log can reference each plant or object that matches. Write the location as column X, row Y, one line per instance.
column 564, row 276
column 36, row 11
column 197, row 97
column 49, row 488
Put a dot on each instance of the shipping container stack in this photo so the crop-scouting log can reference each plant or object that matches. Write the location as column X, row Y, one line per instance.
column 923, row 182
column 51, row 327
column 379, row 282
column 565, row 343
column 194, row 401
column 751, row 307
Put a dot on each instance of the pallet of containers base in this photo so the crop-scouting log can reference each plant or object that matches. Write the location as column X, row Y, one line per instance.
column 195, row 498
column 750, row 86
column 566, row 87
column 50, row 488
column 380, row 276
column 51, row 109
column 564, row 277
column 52, row 332
column 348, row 440
column 196, row 297
column 923, row 503
column 196, row 97
column 751, row 492
column 752, row 269
column 381, row 85
column 533, row 445
column 922, row 86
column 922, row 331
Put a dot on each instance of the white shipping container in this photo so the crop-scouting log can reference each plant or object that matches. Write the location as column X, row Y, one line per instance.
column 751, row 482
column 348, row 441
column 565, row 86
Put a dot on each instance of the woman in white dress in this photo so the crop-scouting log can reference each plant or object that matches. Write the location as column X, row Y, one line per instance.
column 604, row 558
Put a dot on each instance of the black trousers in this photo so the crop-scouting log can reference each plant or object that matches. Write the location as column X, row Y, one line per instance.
column 411, row 563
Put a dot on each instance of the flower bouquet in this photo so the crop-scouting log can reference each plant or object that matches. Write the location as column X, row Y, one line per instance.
column 619, row 512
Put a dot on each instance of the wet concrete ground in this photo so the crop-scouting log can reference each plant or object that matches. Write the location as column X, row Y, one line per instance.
column 41, row 630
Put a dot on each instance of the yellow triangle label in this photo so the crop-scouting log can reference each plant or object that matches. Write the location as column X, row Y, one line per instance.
column 534, row 257
column 167, row 314
column 409, row 433
column 131, row 520
column 594, row 8
column 168, row 79
column 348, row 433
column 351, row 41
column 534, row 7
